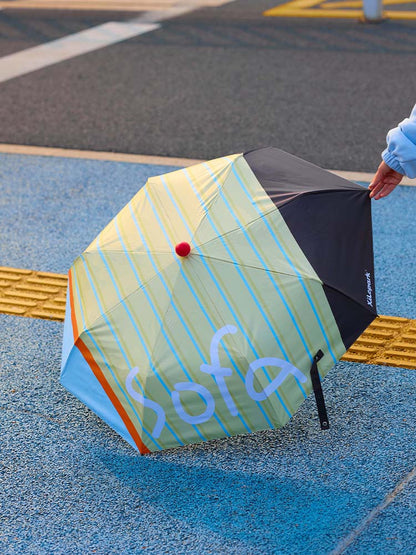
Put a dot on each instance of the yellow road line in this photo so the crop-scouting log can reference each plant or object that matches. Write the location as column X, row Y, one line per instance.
column 335, row 5
column 388, row 341
column 399, row 14
column 359, row 3
column 296, row 12
column 303, row 8
column 296, row 4
column 147, row 159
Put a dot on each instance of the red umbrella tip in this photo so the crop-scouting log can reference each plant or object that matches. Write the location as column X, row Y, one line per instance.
column 183, row 249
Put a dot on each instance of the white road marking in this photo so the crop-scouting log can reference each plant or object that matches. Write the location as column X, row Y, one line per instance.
column 350, row 539
column 102, row 5
column 53, row 52
column 38, row 57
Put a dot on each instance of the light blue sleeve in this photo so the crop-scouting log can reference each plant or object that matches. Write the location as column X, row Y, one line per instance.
column 400, row 154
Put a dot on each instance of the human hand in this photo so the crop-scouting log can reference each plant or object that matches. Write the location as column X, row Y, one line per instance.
column 384, row 181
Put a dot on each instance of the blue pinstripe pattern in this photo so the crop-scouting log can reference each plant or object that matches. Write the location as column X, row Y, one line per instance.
column 269, row 324
column 159, row 321
column 172, row 303
column 194, row 294
column 126, row 308
column 291, row 265
column 213, row 277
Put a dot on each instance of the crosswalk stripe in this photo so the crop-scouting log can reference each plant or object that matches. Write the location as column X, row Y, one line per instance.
column 53, row 52
column 88, row 40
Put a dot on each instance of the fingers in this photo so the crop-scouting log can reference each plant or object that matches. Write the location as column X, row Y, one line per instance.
column 382, row 190
column 377, row 183
column 375, row 188
column 384, row 181
column 373, row 183
column 378, row 177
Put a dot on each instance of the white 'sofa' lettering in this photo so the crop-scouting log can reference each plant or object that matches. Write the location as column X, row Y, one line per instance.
column 218, row 371
column 160, row 413
column 219, row 374
column 287, row 369
column 199, row 389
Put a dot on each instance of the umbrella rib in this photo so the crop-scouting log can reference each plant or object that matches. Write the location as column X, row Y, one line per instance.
column 238, row 228
column 242, row 265
column 163, row 316
column 132, row 251
column 207, row 206
column 324, row 191
column 213, row 306
column 143, row 285
column 350, row 298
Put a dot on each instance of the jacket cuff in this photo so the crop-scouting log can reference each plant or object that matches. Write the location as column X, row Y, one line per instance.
column 392, row 161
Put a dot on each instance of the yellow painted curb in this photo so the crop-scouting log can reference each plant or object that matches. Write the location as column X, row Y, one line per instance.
column 388, row 341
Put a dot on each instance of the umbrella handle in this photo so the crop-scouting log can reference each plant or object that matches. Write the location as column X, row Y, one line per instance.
column 317, row 389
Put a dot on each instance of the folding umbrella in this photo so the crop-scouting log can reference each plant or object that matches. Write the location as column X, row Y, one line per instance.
column 215, row 300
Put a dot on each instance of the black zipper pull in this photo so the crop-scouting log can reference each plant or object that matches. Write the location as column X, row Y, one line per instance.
column 317, row 389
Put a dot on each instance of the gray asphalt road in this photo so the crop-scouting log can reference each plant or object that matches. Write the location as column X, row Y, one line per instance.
column 219, row 81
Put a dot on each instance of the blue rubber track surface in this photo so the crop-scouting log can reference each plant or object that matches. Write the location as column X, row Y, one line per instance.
column 69, row 484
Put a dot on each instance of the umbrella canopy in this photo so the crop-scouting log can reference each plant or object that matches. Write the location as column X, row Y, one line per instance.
column 206, row 306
